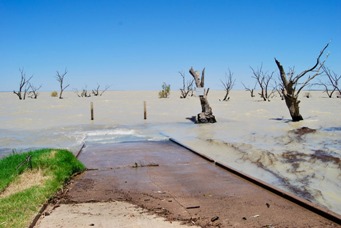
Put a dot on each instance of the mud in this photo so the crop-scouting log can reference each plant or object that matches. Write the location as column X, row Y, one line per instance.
column 304, row 130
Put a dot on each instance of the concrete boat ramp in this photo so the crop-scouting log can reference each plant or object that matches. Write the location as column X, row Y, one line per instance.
column 162, row 184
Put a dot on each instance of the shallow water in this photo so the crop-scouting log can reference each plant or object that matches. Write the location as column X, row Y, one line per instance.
column 252, row 136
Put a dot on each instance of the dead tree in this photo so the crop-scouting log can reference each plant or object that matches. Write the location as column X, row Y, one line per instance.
column 206, row 115
column 328, row 88
column 333, row 80
column 291, row 87
column 26, row 89
column 23, row 86
column 60, row 79
column 186, row 87
column 279, row 89
column 77, row 92
column 84, row 93
column 33, row 93
column 250, row 90
column 263, row 80
column 228, row 85
column 96, row 92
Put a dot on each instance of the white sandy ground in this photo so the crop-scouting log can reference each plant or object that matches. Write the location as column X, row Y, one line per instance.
column 251, row 135
column 110, row 214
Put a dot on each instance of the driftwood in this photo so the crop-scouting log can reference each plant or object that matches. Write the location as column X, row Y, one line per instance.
column 206, row 115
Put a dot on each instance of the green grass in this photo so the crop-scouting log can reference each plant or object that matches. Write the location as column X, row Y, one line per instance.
column 18, row 210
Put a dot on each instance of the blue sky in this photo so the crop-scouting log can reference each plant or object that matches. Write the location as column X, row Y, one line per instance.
column 138, row 45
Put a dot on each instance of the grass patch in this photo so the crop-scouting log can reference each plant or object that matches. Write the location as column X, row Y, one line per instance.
column 23, row 191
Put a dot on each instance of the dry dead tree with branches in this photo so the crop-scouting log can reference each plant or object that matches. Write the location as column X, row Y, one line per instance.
column 291, row 85
column 228, row 84
column 333, row 82
column 33, row 93
column 263, row 79
column 96, row 92
column 186, row 87
column 84, row 93
column 60, row 79
column 206, row 115
column 278, row 88
column 23, row 86
column 252, row 91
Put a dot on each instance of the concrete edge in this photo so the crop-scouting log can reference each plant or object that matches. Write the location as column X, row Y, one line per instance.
column 38, row 215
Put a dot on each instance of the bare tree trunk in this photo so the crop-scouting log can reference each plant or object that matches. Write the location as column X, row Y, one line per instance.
column 226, row 95
column 206, row 115
column 250, row 90
column 289, row 90
column 290, row 97
column 334, row 80
column 96, row 91
column 27, row 87
column 60, row 79
column 228, row 85
column 186, row 89
column 34, row 91
column 263, row 79
column 24, row 85
column 293, row 106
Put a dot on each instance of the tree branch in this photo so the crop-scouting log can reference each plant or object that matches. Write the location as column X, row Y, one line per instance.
column 282, row 73
column 195, row 76
column 203, row 78
column 311, row 69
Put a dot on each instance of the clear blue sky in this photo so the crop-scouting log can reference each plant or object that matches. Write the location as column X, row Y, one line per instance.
column 134, row 45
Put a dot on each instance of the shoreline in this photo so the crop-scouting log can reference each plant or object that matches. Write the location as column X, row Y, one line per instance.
column 251, row 135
